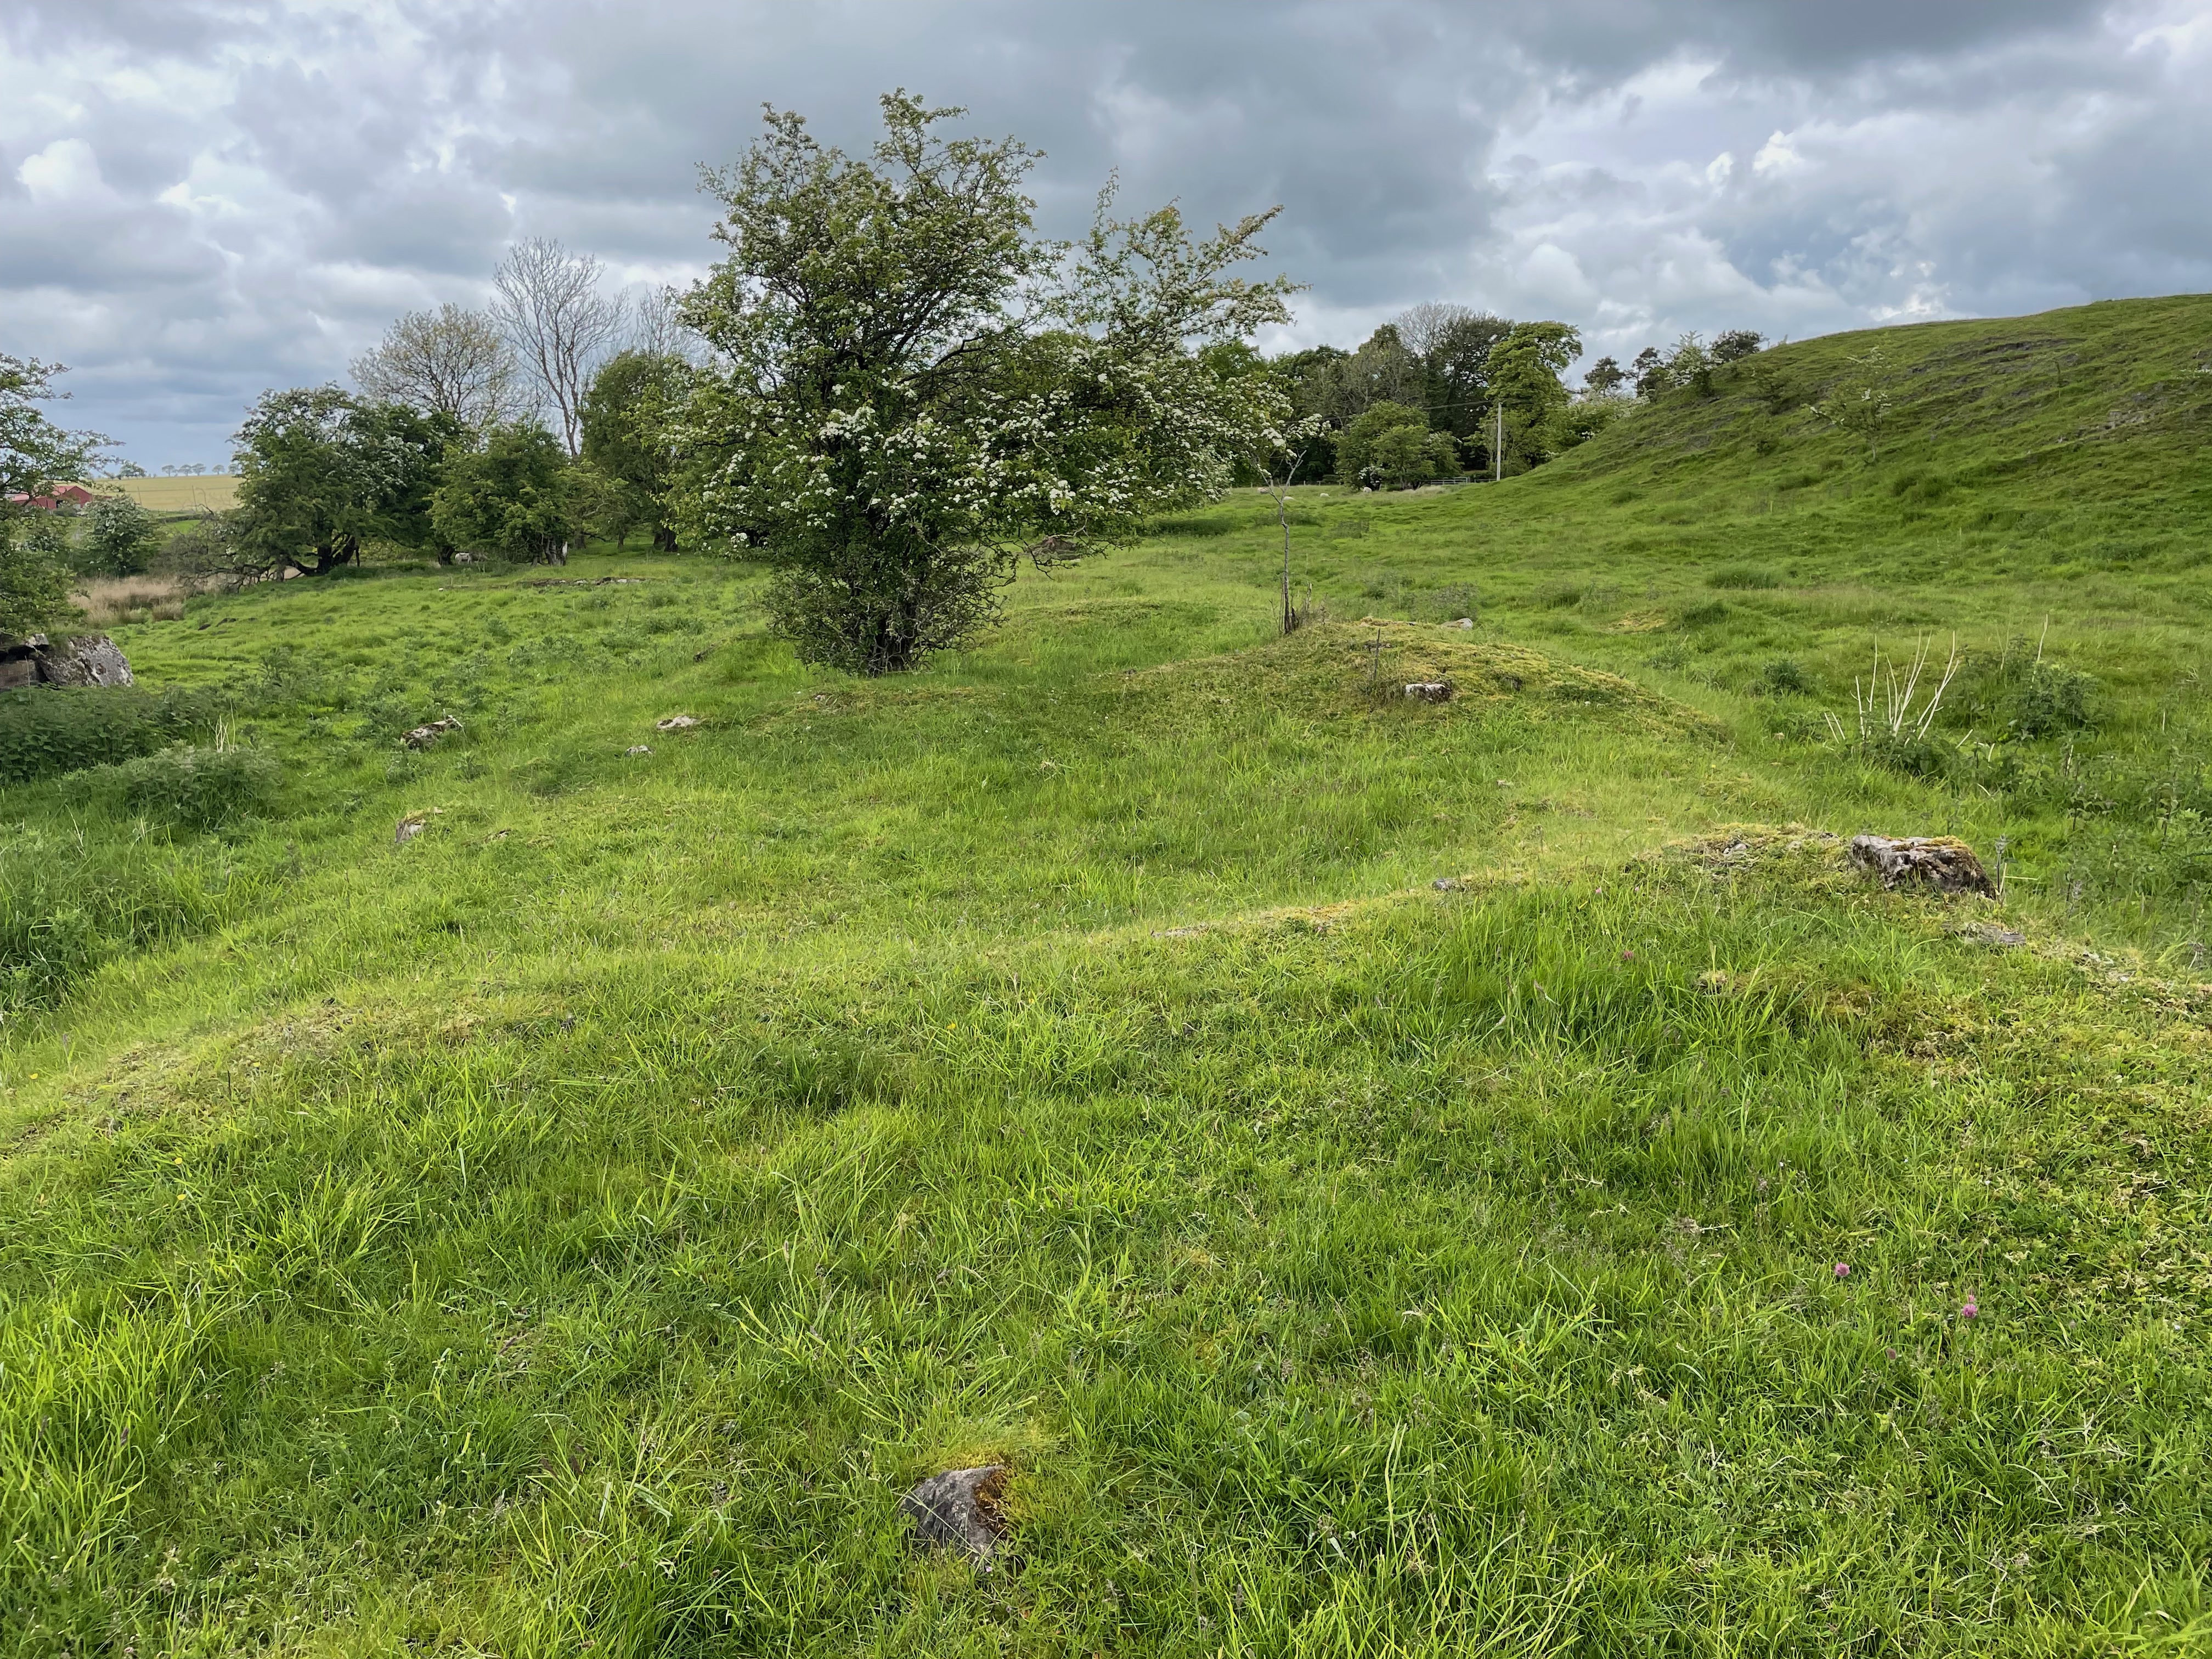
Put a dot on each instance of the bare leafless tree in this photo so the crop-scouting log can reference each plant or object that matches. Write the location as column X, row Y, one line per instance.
column 656, row 326
column 547, row 302
column 1424, row 327
column 1452, row 344
column 449, row 361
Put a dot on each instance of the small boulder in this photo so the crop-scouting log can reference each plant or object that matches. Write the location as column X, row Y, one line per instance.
column 959, row 1510
column 1464, row 622
column 1942, row 862
column 637, row 749
column 408, row 828
column 676, row 723
column 424, row 735
column 1430, row 691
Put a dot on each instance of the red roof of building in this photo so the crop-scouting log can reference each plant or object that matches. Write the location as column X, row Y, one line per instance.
column 67, row 496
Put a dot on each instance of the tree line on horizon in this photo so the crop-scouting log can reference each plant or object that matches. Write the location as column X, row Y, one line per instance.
column 891, row 390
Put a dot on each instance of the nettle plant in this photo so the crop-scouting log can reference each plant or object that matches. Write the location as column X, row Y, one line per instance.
column 913, row 391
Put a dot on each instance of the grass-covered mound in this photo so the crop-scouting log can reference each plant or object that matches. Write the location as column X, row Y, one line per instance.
column 579, row 1222
column 1361, row 672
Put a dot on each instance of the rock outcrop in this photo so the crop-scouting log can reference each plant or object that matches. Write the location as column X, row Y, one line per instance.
column 959, row 1510
column 91, row 659
column 1942, row 862
column 424, row 736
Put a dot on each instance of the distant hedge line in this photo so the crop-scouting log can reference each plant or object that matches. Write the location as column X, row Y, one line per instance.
column 50, row 730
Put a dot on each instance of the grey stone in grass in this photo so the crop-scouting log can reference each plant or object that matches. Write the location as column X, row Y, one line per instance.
column 676, row 723
column 424, row 735
column 1430, row 690
column 1989, row 933
column 1942, row 862
column 637, row 749
column 959, row 1510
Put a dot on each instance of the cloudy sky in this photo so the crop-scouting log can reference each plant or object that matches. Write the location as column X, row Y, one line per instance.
column 200, row 199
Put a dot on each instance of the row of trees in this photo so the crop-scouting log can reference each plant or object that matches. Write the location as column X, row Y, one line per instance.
column 324, row 473
column 1690, row 365
column 1440, row 390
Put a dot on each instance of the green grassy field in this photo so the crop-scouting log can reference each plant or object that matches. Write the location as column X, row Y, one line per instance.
column 1381, row 1173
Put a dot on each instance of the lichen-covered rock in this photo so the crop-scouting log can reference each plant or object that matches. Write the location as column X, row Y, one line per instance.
column 89, row 659
column 94, row 661
column 1430, row 691
column 959, row 1510
column 424, row 735
column 1942, row 862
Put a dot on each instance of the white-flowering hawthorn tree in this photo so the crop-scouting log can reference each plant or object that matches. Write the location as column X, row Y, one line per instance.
column 912, row 392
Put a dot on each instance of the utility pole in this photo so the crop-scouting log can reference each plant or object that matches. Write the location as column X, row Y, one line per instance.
column 1498, row 448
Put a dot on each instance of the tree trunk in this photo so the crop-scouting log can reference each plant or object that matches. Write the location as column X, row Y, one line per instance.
column 330, row 554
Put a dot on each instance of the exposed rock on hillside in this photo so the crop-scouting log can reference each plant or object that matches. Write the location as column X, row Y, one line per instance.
column 422, row 737
column 92, row 659
column 1942, row 862
column 958, row 1509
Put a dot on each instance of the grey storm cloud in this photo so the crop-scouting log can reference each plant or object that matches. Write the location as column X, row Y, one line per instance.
column 201, row 199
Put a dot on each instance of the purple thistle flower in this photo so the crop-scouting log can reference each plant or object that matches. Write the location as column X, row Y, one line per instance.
column 1969, row 1309
column 1843, row 1270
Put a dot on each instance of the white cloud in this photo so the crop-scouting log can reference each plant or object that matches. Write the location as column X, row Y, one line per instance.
column 63, row 173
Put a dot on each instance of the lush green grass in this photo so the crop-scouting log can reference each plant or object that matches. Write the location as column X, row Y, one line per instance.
column 581, row 1222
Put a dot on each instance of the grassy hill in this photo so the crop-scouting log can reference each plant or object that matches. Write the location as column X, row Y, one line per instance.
column 1381, row 1173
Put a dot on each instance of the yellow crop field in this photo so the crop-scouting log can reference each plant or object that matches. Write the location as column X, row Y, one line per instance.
column 185, row 494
